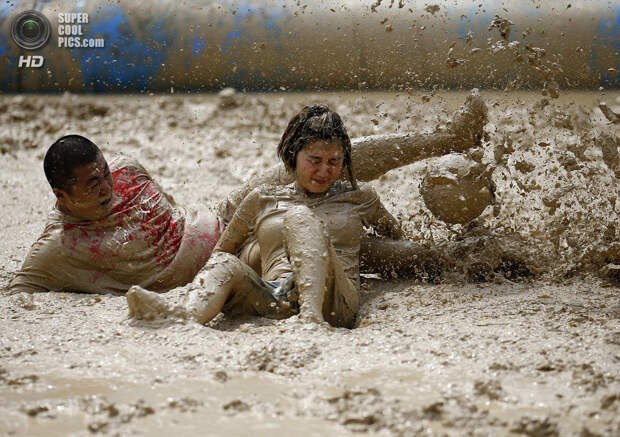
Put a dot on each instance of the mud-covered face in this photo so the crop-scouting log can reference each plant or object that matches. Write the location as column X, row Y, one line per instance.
column 90, row 197
column 318, row 165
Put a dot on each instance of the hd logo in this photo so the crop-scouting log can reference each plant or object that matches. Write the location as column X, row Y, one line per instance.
column 31, row 31
column 30, row 61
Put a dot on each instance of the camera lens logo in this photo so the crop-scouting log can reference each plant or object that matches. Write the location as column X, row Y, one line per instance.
column 30, row 30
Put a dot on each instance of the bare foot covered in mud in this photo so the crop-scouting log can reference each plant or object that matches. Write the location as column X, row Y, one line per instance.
column 307, row 315
column 468, row 122
column 147, row 305
column 310, row 321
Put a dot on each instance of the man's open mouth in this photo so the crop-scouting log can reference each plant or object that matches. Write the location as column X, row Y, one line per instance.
column 105, row 202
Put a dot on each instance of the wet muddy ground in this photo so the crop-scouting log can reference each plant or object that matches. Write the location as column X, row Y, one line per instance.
column 490, row 350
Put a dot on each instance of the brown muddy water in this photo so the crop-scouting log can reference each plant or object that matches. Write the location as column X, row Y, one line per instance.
column 522, row 337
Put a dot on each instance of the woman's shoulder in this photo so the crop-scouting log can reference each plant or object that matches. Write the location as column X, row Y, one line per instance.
column 363, row 189
column 367, row 190
column 266, row 193
column 269, row 190
column 363, row 194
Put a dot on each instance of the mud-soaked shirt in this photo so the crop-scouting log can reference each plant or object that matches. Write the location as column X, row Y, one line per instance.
column 146, row 240
column 343, row 211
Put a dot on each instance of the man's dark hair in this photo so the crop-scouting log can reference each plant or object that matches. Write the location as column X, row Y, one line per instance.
column 314, row 123
column 64, row 156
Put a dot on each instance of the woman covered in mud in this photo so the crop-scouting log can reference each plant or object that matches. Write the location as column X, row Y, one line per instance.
column 309, row 235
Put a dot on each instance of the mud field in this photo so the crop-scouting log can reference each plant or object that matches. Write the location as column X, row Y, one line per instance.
column 520, row 337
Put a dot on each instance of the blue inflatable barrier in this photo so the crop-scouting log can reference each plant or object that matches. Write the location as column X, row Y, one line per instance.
column 164, row 45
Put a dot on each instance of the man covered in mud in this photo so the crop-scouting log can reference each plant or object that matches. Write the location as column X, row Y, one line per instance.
column 113, row 227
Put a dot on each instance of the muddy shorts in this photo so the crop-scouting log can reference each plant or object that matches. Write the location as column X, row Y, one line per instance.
column 271, row 299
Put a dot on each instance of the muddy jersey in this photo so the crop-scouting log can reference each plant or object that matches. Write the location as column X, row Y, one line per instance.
column 343, row 211
column 146, row 240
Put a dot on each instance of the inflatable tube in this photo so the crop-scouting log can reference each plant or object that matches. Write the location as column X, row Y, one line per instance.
column 163, row 45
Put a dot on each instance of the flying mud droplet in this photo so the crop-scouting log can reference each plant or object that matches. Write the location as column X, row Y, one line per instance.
column 502, row 25
column 552, row 89
column 432, row 9
column 454, row 62
column 609, row 113
column 228, row 98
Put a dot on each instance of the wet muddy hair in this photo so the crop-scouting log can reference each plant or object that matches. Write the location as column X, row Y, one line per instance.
column 64, row 156
column 314, row 123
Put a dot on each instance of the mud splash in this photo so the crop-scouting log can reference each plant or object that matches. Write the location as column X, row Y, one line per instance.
column 496, row 357
column 555, row 164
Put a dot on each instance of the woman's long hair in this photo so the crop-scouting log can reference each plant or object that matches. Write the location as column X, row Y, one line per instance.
column 314, row 123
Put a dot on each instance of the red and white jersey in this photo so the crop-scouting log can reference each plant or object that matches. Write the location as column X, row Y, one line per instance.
column 146, row 240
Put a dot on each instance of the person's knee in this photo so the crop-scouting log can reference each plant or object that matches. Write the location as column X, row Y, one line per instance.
column 298, row 215
column 222, row 268
column 300, row 221
column 223, row 257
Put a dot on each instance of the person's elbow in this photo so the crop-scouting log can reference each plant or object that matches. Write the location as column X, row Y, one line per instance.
column 25, row 284
column 24, row 288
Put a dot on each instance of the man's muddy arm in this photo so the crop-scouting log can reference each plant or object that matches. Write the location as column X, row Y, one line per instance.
column 15, row 287
column 38, row 271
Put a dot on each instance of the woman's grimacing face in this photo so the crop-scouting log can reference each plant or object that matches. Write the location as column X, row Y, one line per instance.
column 318, row 165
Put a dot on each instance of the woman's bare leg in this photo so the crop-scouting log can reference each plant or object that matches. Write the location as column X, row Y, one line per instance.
column 342, row 300
column 223, row 275
column 306, row 243
column 325, row 294
column 200, row 301
column 375, row 155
